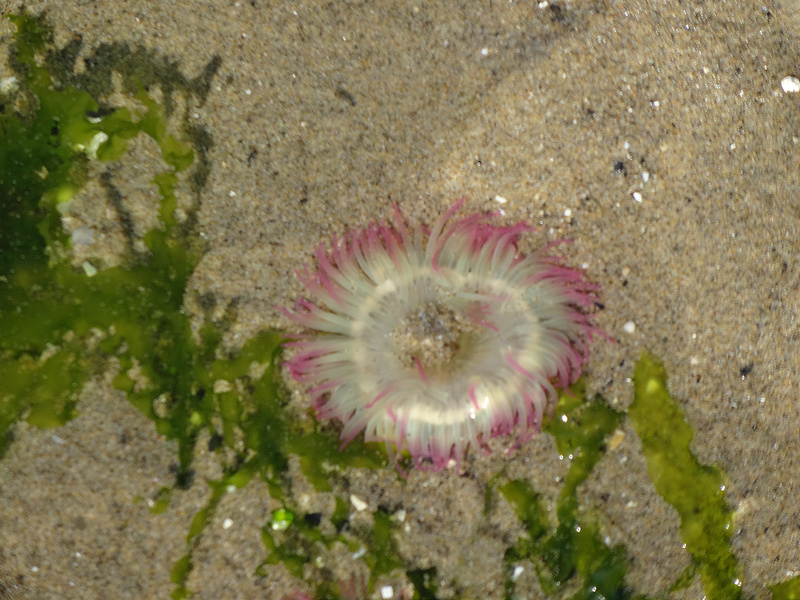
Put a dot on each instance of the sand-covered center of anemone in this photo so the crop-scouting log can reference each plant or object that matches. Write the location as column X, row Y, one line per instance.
column 434, row 337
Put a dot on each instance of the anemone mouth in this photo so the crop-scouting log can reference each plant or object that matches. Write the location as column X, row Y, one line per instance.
column 435, row 341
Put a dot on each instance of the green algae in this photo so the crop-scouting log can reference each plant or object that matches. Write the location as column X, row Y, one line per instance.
column 182, row 568
column 424, row 582
column 60, row 325
column 383, row 557
column 574, row 548
column 255, row 429
column 787, row 590
column 572, row 552
column 580, row 430
column 695, row 490
column 47, row 309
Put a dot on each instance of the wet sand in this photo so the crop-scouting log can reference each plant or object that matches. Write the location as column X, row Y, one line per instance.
column 655, row 137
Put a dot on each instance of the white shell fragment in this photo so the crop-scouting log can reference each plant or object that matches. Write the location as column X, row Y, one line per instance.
column 358, row 503
column 790, row 85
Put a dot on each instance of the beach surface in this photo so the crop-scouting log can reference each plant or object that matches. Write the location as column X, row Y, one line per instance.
column 656, row 137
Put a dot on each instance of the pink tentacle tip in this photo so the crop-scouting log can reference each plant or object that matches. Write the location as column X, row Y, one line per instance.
column 421, row 371
column 284, row 311
column 459, row 203
column 471, row 394
column 380, row 396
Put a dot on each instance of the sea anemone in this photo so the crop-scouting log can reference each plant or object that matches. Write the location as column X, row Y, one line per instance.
column 432, row 340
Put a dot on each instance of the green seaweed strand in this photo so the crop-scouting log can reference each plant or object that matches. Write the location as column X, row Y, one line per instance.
column 695, row 490
column 575, row 547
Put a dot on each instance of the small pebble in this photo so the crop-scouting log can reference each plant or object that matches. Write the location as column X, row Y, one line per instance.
column 82, row 236
column 221, row 386
column 790, row 85
column 9, row 84
column 616, row 439
column 358, row 503
column 89, row 269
